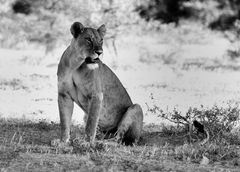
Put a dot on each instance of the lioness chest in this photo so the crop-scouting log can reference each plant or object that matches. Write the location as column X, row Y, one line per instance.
column 87, row 82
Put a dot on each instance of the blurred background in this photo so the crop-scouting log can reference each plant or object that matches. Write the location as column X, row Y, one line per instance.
column 168, row 53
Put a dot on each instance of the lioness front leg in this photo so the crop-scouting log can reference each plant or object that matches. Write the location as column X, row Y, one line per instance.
column 130, row 126
column 65, row 104
column 93, row 116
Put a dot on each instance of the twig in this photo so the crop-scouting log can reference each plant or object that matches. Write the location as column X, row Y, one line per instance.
column 205, row 140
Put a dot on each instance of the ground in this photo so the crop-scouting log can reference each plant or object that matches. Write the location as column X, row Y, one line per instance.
column 25, row 146
column 174, row 68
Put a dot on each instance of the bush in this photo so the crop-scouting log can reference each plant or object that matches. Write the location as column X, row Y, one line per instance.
column 217, row 14
column 22, row 6
column 47, row 22
column 218, row 121
column 165, row 10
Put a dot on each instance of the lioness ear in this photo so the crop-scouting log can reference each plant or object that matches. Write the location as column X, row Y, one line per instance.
column 102, row 30
column 76, row 29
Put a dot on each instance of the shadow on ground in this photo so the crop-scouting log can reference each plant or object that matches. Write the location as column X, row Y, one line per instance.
column 161, row 139
column 42, row 132
column 28, row 132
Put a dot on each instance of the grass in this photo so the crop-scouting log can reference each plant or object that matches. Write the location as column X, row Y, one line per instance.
column 25, row 146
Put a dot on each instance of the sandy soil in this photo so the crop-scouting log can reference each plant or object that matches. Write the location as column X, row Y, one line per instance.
column 153, row 72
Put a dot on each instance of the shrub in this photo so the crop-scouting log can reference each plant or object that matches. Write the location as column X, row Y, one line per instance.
column 47, row 22
column 165, row 10
column 22, row 6
column 218, row 121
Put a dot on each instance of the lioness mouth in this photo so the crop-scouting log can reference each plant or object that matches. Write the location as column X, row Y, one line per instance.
column 89, row 60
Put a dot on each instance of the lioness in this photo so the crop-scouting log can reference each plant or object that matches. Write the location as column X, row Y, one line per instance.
column 84, row 79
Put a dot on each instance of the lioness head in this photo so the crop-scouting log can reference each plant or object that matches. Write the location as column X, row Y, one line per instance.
column 87, row 42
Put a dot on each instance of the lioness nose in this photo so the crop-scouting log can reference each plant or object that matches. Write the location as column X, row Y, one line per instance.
column 99, row 52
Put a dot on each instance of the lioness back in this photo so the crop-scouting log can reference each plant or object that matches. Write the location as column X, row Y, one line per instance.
column 116, row 99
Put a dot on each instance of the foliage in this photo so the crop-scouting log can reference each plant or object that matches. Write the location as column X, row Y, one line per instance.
column 217, row 14
column 165, row 10
column 234, row 53
column 47, row 22
column 220, row 122
column 21, row 6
